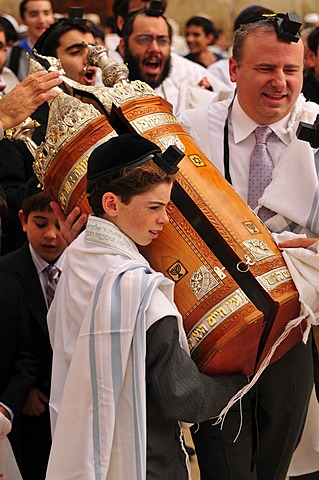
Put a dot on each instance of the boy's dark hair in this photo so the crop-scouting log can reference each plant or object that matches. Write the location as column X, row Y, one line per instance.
column 23, row 7
column 313, row 40
column 109, row 21
column 38, row 202
column 132, row 183
column 206, row 24
column 97, row 32
column 49, row 41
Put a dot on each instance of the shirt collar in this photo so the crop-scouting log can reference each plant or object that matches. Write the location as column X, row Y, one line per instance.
column 39, row 262
column 243, row 125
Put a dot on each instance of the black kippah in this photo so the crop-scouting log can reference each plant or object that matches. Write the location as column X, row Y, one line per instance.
column 126, row 152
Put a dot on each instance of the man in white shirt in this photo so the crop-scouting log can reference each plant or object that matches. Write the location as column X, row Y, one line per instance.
column 146, row 48
column 268, row 94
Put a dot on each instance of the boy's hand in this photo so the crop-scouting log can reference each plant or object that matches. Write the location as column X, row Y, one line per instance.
column 36, row 403
column 72, row 225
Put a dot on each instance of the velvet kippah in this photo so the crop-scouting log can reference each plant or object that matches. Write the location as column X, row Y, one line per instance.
column 126, row 151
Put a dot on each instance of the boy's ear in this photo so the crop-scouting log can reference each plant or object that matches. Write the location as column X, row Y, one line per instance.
column 22, row 220
column 109, row 204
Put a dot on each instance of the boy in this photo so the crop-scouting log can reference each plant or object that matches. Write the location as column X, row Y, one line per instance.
column 31, row 442
column 120, row 378
column 200, row 34
column 37, row 15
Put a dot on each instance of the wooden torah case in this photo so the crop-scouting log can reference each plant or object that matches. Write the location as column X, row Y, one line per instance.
column 233, row 288
column 208, row 219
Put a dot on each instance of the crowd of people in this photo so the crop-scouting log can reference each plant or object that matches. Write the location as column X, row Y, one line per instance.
column 88, row 327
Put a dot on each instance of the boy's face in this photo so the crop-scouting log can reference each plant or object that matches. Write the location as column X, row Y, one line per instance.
column 145, row 216
column 38, row 16
column 44, row 234
column 197, row 40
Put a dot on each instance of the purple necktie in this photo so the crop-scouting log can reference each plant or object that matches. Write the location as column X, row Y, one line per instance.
column 260, row 171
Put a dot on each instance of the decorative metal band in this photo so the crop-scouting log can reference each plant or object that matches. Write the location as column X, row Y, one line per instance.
column 202, row 282
column 172, row 139
column 258, row 249
column 214, row 317
column 274, row 278
column 77, row 172
column 147, row 122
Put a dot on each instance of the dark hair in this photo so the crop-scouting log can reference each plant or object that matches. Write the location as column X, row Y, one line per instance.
column 23, row 7
column 135, row 182
column 313, row 40
column 49, row 41
column 10, row 31
column 249, row 13
column 206, row 24
column 38, row 202
column 97, row 32
column 109, row 21
column 3, row 204
column 128, row 25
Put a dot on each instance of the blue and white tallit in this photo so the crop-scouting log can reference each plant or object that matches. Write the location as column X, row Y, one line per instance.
column 100, row 430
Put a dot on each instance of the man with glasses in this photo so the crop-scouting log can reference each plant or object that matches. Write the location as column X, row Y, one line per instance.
column 146, row 48
column 267, row 67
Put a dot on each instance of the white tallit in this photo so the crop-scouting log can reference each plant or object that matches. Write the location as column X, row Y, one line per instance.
column 100, row 431
column 294, row 189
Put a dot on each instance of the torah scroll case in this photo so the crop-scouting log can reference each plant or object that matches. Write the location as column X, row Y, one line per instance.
column 232, row 285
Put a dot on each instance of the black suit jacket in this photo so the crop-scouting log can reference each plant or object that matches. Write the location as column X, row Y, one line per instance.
column 15, row 170
column 19, row 264
column 18, row 365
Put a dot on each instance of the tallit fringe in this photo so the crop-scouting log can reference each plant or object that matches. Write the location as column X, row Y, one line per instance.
column 296, row 322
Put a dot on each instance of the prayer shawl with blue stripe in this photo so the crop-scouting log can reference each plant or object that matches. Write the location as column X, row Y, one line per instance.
column 100, row 431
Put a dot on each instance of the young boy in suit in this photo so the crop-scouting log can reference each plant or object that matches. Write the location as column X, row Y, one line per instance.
column 31, row 439
column 122, row 377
